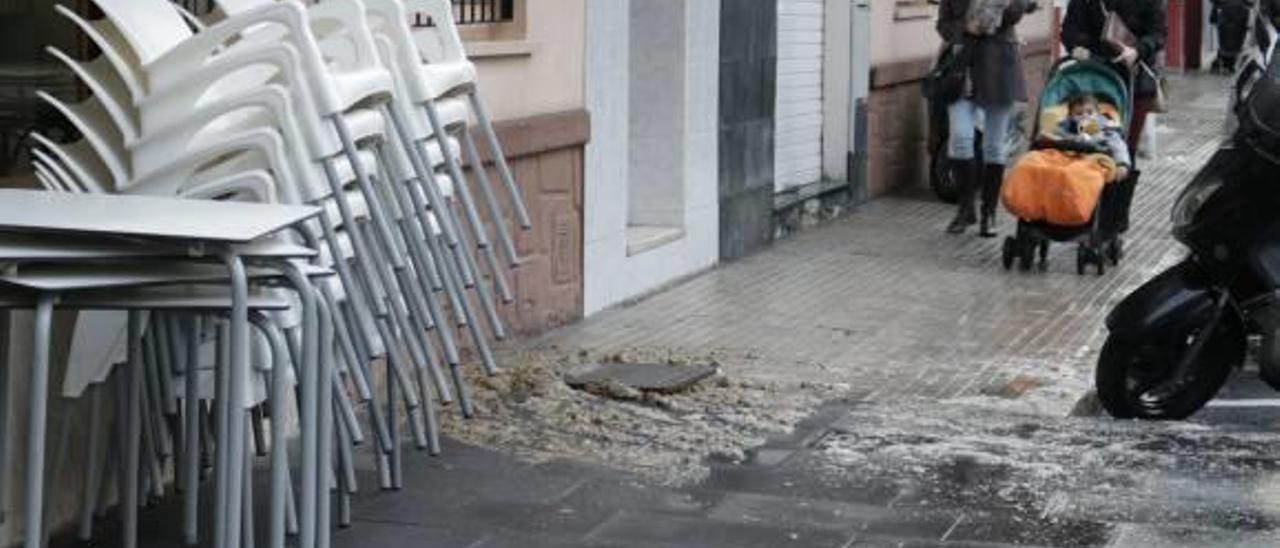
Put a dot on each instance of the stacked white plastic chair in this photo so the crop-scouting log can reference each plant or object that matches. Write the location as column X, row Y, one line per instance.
column 338, row 104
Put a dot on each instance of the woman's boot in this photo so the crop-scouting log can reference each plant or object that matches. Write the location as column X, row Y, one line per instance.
column 963, row 172
column 992, row 178
column 1124, row 201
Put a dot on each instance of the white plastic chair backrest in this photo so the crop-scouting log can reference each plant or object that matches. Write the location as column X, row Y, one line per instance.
column 108, row 39
column 266, row 107
column 66, row 182
column 441, row 42
column 152, row 27
column 91, row 119
column 105, row 83
column 81, row 161
column 46, row 180
column 343, row 21
column 389, row 20
column 263, row 144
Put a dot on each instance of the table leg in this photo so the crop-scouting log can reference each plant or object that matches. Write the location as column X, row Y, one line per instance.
column 133, row 431
column 239, row 361
column 36, row 426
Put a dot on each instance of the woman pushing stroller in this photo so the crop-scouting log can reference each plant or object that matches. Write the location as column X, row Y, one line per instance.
column 985, row 30
column 1084, row 33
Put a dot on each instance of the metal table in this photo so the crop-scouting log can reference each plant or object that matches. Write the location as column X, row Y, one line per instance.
column 205, row 224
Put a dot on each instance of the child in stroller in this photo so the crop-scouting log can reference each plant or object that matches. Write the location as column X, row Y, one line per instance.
column 1063, row 189
column 1087, row 128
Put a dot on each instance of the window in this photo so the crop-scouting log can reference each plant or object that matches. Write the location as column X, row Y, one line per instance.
column 915, row 9
column 485, row 20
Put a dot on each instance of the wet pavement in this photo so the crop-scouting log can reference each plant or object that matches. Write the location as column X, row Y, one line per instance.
column 947, row 383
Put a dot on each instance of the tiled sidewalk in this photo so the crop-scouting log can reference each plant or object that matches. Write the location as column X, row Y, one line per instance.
column 885, row 302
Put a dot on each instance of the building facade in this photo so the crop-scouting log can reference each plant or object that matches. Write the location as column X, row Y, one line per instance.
column 651, row 206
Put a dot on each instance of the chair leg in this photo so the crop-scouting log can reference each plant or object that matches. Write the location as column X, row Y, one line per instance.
column 467, row 202
column 496, row 215
column 88, row 497
column 191, row 434
column 278, row 403
column 496, row 325
column 416, row 233
column 324, row 374
column 247, row 538
column 380, row 311
column 338, row 312
column 486, row 126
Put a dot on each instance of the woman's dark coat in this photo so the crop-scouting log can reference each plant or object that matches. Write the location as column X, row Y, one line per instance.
column 1086, row 21
column 996, row 61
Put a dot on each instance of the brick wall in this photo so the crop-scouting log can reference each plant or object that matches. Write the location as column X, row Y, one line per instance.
column 546, row 155
column 898, row 121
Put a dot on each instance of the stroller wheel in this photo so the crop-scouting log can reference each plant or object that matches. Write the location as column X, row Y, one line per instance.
column 1044, row 255
column 1115, row 251
column 1008, row 252
column 1102, row 264
column 1026, row 256
column 1082, row 260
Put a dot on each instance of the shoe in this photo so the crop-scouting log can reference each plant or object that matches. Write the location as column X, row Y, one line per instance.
column 964, row 218
column 988, row 225
column 992, row 179
column 964, row 173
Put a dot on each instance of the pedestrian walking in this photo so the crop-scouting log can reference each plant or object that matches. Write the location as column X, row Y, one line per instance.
column 1231, row 18
column 984, row 33
column 1084, row 33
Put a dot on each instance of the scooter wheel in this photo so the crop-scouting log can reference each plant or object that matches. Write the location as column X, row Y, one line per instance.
column 1133, row 374
column 1007, row 253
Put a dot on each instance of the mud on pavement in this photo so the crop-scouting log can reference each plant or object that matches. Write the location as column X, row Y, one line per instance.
column 529, row 410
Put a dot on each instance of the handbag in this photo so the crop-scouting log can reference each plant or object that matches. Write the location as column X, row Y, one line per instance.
column 985, row 17
column 1159, row 104
column 1116, row 32
column 946, row 81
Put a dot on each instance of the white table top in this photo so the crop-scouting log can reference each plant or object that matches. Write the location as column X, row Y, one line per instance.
column 77, row 277
column 179, row 298
column 72, row 248
column 145, row 216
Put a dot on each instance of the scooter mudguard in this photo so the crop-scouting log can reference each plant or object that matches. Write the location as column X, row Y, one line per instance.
column 1177, row 299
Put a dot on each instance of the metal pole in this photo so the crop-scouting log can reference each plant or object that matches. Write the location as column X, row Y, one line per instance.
column 133, row 436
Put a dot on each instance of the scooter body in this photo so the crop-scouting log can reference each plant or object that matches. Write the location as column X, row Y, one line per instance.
column 1173, row 342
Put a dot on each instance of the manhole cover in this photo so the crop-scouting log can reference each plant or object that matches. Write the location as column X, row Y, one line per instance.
column 645, row 377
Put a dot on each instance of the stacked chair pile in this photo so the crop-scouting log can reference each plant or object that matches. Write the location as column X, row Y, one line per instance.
column 394, row 261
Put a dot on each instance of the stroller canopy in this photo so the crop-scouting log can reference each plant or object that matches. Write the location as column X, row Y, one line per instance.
column 1072, row 77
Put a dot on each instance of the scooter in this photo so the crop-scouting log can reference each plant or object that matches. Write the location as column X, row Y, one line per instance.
column 1174, row 341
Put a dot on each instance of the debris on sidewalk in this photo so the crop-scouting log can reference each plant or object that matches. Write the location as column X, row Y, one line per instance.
column 628, row 381
column 531, row 410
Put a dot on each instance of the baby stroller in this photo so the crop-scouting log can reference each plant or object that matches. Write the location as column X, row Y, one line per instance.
column 1097, row 240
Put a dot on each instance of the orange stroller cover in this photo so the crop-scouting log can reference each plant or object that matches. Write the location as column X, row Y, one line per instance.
column 1056, row 187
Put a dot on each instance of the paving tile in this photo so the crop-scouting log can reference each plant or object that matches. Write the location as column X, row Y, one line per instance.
column 368, row 534
column 1023, row 530
column 663, row 530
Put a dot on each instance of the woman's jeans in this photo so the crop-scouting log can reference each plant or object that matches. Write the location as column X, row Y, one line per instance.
column 964, row 116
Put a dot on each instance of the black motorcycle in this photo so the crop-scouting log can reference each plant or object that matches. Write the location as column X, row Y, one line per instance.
column 1174, row 342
